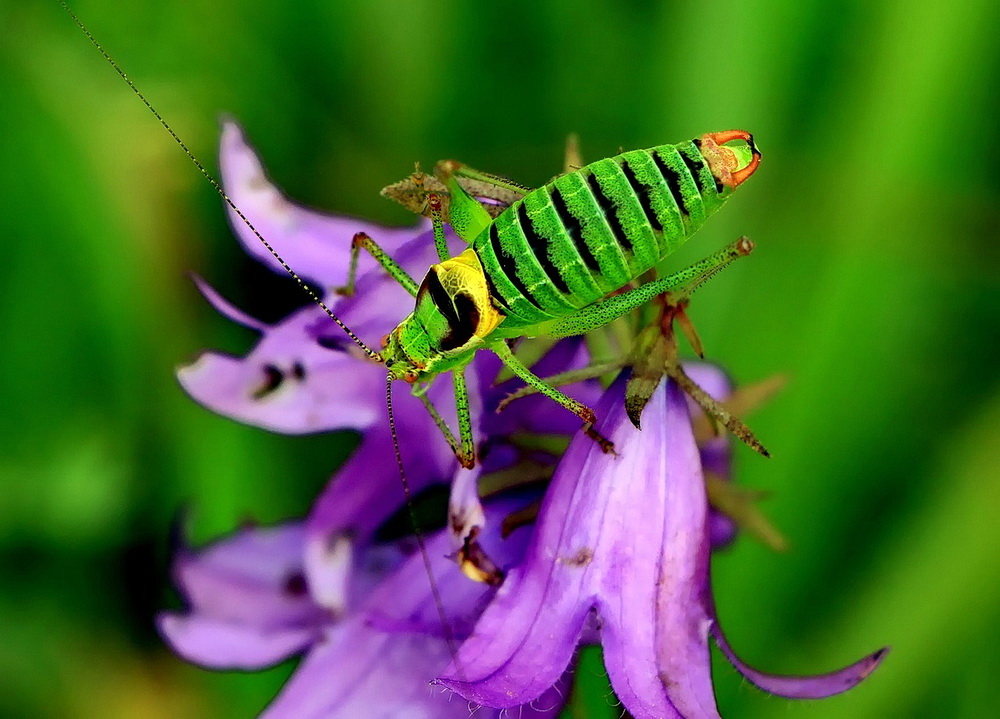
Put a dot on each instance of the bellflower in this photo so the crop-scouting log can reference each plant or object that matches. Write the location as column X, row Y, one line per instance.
column 619, row 553
column 305, row 375
column 620, row 550
column 250, row 605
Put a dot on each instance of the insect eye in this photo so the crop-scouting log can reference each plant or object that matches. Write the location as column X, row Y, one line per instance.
column 384, row 341
column 410, row 376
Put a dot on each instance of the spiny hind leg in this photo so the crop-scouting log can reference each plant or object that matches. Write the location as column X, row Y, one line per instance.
column 578, row 408
column 680, row 286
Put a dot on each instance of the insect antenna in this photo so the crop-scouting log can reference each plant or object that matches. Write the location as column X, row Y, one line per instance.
column 435, row 591
column 449, row 636
column 372, row 354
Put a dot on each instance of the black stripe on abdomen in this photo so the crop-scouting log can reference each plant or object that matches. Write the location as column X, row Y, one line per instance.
column 673, row 181
column 609, row 212
column 540, row 247
column 508, row 265
column 572, row 225
column 643, row 193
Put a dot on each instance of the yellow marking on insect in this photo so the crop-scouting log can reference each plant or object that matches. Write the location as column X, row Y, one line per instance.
column 464, row 273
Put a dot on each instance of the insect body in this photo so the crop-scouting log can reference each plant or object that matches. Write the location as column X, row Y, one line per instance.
column 551, row 264
column 547, row 264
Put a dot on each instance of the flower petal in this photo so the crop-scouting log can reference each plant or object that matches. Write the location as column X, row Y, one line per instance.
column 314, row 244
column 670, row 666
column 289, row 382
column 366, row 490
column 218, row 644
column 817, row 686
column 378, row 662
column 625, row 534
column 225, row 308
column 249, row 604
column 255, row 577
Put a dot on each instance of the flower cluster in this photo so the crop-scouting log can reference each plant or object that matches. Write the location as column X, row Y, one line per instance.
column 617, row 552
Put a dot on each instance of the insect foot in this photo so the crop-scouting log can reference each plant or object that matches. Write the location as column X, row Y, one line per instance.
column 590, row 419
column 468, row 461
column 606, row 445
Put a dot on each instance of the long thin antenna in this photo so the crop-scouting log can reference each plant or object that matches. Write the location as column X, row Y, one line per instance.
column 449, row 636
column 218, row 188
column 435, row 591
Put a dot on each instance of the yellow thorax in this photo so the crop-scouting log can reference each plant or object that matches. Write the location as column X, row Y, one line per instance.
column 464, row 274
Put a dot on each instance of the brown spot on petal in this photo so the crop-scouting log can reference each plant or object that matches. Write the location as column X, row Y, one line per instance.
column 295, row 585
column 476, row 564
column 273, row 377
column 582, row 558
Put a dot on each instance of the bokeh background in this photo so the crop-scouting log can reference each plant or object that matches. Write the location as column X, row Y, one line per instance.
column 875, row 287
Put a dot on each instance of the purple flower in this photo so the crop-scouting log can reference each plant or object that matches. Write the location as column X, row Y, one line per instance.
column 620, row 551
column 304, row 375
column 374, row 654
column 619, row 554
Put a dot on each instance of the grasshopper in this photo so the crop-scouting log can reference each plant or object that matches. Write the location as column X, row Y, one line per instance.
column 549, row 262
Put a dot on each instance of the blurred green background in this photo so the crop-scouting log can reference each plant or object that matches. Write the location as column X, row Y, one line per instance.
column 876, row 287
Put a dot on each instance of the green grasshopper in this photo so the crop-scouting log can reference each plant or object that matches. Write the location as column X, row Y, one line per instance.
column 550, row 264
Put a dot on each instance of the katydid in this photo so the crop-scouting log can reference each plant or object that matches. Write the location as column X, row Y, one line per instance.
column 551, row 264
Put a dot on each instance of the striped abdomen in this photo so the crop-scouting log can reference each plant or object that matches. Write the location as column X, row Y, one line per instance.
column 587, row 233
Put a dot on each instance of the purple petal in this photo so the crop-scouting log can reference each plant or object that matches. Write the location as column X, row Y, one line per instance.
column 671, row 665
column 314, row 244
column 253, row 577
column 818, row 686
column 356, row 671
column 360, row 672
column 379, row 661
column 289, row 382
column 217, row 644
column 366, row 490
column 248, row 601
column 305, row 375
column 721, row 529
column 623, row 534
column 225, row 308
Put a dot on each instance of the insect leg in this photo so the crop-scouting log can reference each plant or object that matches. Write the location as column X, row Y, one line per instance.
column 437, row 221
column 464, row 447
column 680, row 285
column 563, row 378
column 361, row 240
column 495, row 187
column 578, row 408
column 467, row 455
column 467, row 217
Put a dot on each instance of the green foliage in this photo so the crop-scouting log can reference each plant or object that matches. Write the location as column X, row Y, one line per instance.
column 874, row 287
